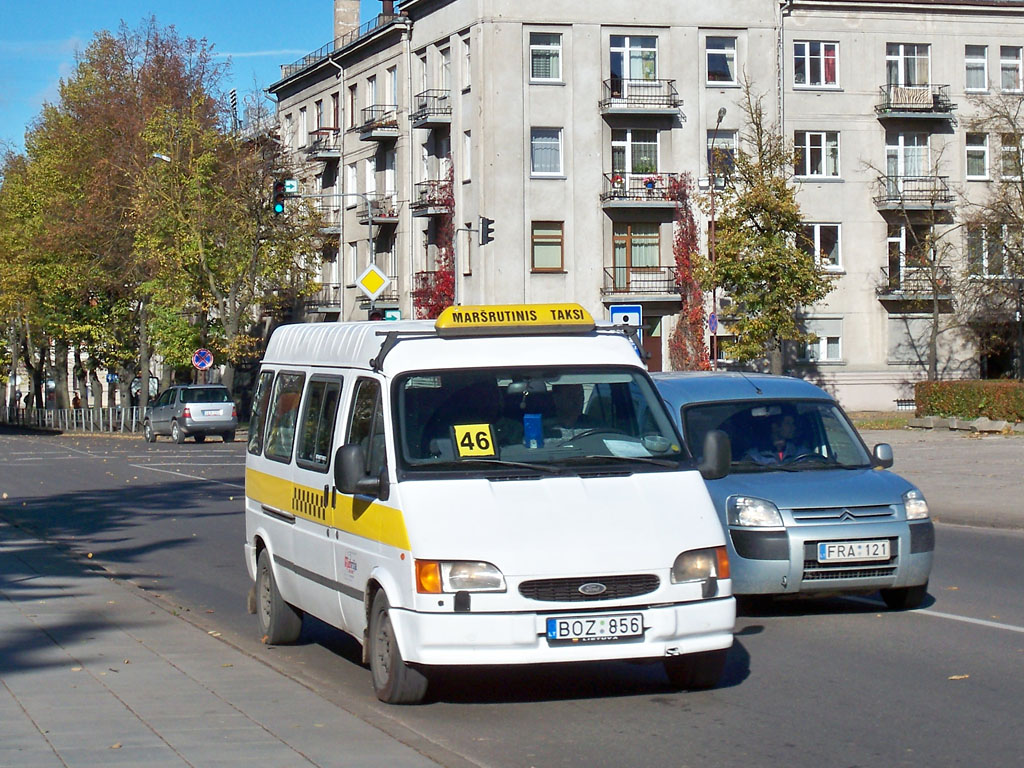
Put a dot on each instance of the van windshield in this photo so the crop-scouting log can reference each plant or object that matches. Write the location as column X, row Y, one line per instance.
column 784, row 434
column 551, row 419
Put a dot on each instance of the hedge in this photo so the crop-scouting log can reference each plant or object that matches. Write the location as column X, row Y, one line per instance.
column 971, row 399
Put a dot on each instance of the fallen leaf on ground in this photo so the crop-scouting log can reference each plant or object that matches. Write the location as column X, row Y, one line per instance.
column 958, row 677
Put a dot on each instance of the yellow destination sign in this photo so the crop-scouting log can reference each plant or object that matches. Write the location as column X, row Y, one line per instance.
column 474, row 440
column 488, row 320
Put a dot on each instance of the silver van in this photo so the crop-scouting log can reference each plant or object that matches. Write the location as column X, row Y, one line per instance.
column 192, row 410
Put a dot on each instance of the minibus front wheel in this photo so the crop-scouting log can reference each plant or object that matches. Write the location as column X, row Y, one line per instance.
column 394, row 681
column 279, row 623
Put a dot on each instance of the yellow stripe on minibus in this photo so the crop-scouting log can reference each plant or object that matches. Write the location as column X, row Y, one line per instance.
column 367, row 519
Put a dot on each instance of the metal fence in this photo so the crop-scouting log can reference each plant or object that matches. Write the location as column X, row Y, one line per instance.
column 112, row 419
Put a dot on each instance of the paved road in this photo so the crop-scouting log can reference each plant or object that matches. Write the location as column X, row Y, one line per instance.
column 808, row 683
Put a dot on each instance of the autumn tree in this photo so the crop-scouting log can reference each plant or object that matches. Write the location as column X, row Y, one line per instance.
column 759, row 262
column 686, row 348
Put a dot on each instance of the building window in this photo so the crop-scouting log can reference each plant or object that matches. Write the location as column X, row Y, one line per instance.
column 815, row 63
column 303, row 127
column 721, row 146
column 371, row 175
column 984, row 252
column 545, row 57
column 352, row 263
column 467, row 156
column 976, row 65
column 1010, row 66
column 822, row 242
column 827, row 347
column 350, row 182
column 637, row 245
column 977, row 155
column 906, row 155
column 289, row 131
column 546, row 151
column 817, row 153
column 446, row 69
column 335, row 111
column 392, row 94
column 353, row 96
column 721, row 60
column 318, row 111
column 907, row 64
column 634, row 151
column 634, row 57
column 467, row 61
column 1010, row 156
column 547, row 246
column 371, row 91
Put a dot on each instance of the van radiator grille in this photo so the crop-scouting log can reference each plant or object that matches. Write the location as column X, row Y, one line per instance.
column 568, row 590
column 833, row 514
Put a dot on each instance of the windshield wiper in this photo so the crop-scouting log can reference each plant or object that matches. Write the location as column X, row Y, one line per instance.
column 668, row 463
column 493, row 463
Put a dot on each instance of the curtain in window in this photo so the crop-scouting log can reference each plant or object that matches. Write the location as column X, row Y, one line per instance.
column 645, row 245
column 645, row 152
column 545, row 151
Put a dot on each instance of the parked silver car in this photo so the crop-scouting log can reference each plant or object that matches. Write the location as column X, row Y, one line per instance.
column 195, row 410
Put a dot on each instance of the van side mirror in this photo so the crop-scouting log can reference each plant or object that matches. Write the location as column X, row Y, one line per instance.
column 882, row 455
column 717, row 455
column 350, row 474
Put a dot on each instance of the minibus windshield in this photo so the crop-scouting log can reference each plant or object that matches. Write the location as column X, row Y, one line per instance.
column 516, row 418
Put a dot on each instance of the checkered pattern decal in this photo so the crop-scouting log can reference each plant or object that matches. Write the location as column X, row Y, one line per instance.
column 309, row 503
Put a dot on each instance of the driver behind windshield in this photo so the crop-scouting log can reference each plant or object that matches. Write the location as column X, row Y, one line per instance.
column 782, row 444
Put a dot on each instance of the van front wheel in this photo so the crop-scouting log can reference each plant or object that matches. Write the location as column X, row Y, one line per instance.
column 394, row 681
column 279, row 623
column 696, row 671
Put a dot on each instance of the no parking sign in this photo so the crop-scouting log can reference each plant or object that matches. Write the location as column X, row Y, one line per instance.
column 202, row 359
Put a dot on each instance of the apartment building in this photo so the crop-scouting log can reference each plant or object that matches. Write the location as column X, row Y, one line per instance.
column 565, row 123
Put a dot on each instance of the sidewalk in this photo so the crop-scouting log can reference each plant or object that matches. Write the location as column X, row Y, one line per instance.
column 94, row 674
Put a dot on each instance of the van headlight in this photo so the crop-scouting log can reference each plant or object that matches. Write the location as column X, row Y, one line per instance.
column 701, row 565
column 916, row 506
column 751, row 512
column 437, row 576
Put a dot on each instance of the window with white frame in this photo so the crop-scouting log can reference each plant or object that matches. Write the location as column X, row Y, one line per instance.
column 721, row 60
column 467, row 61
column 446, row 69
column 817, row 153
column 1010, row 67
column 976, row 67
column 352, row 263
column 977, row 156
column 721, row 155
column 827, row 346
column 392, row 84
column 467, row 155
column 546, row 151
column 908, row 64
column 545, row 57
column 634, row 57
column 371, row 175
column 424, row 71
column 822, row 242
column 289, row 131
column 353, row 97
column 1010, row 155
column 989, row 249
column 815, row 63
column 318, row 111
column 634, row 151
column 371, row 91
column 303, row 127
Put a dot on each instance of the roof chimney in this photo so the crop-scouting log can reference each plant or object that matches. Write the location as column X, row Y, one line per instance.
column 387, row 7
column 346, row 17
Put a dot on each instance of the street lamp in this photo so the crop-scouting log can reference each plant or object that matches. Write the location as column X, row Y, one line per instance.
column 711, row 240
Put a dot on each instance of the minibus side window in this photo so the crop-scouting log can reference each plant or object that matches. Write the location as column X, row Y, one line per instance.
column 284, row 411
column 317, row 430
column 259, row 412
column 366, row 425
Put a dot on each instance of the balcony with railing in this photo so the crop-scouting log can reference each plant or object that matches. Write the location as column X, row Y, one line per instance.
column 638, row 190
column 327, row 299
column 330, row 217
column 914, row 283
column 431, row 109
column 928, row 101
column 378, row 207
column 639, row 97
column 324, row 51
column 913, row 193
column 651, row 283
column 379, row 123
column 431, row 198
column 324, row 144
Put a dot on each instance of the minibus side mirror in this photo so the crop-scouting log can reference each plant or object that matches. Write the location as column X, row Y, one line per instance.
column 350, row 473
column 882, row 456
column 717, row 455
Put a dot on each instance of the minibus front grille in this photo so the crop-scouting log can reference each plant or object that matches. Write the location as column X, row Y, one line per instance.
column 569, row 590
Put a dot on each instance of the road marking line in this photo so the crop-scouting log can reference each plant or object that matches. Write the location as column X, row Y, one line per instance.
column 950, row 616
column 190, row 477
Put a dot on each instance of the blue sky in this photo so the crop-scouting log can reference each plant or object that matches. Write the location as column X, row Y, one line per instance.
column 39, row 38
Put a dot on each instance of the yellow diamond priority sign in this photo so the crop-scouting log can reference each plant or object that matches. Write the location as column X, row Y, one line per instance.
column 372, row 282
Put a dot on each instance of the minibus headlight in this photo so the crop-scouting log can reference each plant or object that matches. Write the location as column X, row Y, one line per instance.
column 435, row 577
column 916, row 506
column 701, row 565
column 751, row 512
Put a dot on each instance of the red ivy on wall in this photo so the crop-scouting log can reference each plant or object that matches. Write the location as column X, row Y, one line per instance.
column 435, row 291
column 686, row 348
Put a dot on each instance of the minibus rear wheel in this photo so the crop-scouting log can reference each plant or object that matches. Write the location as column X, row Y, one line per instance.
column 279, row 623
column 696, row 671
column 394, row 681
